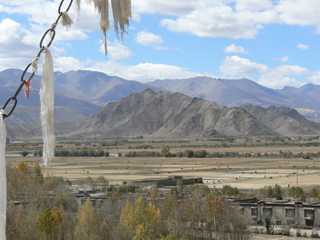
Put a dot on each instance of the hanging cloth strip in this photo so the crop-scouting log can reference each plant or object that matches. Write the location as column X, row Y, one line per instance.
column 47, row 108
column 3, row 180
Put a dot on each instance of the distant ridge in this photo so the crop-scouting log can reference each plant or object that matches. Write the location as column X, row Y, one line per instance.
column 241, row 91
column 177, row 115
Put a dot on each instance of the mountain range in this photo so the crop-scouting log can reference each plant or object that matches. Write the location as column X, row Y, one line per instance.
column 177, row 115
column 81, row 94
column 239, row 92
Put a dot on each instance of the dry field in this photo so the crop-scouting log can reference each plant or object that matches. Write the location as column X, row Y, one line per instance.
column 244, row 173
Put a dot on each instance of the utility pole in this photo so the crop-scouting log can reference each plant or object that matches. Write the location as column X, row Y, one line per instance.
column 297, row 176
column 161, row 170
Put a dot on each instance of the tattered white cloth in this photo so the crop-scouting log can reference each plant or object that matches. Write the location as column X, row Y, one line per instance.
column 3, row 179
column 47, row 109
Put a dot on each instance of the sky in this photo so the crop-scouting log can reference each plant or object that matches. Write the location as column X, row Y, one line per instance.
column 275, row 43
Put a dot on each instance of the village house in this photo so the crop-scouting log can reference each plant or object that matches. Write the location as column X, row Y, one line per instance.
column 281, row 212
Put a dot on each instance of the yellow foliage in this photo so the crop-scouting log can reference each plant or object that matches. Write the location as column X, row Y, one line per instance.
column 141, row 233
column 22, row 167
column 214, row 205
column 126, row 216
column 88, row 224
column 57, row 216
column 172, row 202
column 140, row 211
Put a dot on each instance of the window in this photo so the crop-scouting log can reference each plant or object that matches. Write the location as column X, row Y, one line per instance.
column 290, row 213
column 267, row 211
column 254, row 211
column 309, row 213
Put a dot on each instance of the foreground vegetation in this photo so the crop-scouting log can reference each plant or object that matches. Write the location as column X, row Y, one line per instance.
column 45, row 208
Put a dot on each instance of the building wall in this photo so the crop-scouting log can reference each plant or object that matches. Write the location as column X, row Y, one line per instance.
column 279, row 213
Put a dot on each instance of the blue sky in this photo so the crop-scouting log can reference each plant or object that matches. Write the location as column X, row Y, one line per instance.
column 275, row 43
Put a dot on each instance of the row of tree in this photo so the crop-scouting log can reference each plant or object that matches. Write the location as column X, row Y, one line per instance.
column 85, row 152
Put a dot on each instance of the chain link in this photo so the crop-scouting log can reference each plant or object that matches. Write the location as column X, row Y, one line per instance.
column 59, row 10
column 42, row 49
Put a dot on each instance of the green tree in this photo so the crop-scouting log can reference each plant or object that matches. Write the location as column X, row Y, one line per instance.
column 270, row 192
column 100, row 153
column 90, row 182
column 277, row 192
column 102, row 183
column 200, row 154
column 230, row 191
column 188, row 153
column 314, row 192
column 180, row 154
column 267, row 224
column 45, row 223
column 24, row 153
column 297, row 192
column 180, row 186
column 122, row 232
column 38, row 175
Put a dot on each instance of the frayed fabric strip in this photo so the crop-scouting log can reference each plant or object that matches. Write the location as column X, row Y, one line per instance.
column 3, row 179
column 47, row 109
column 66, row 20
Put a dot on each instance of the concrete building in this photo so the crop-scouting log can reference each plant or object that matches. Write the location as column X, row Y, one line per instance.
column 282, row 212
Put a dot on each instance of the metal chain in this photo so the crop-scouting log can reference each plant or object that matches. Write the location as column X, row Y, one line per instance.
column 42, row 48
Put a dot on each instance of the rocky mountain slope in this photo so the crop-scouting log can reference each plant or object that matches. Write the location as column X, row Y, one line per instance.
column 170, row 115
column 176, row 115
column 283, row 120
column 89, row 91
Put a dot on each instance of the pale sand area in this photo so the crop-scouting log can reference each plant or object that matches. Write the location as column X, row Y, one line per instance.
column 244, row 173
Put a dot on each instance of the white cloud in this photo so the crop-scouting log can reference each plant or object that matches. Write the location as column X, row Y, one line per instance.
column 117, row 51
column 64, row 64
column 168, row 7
column 148, row 39
column 215, row 18
column 214, row 22
column 15, row 50
column 289, row 70
column 314, row 77
column 234, row 49
column 303, row 46
column 143, row 72
column 300, row 12
column 283, row 59
column 279, row 82
column 277, row 77
column 253, row 5
column 234, row 66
